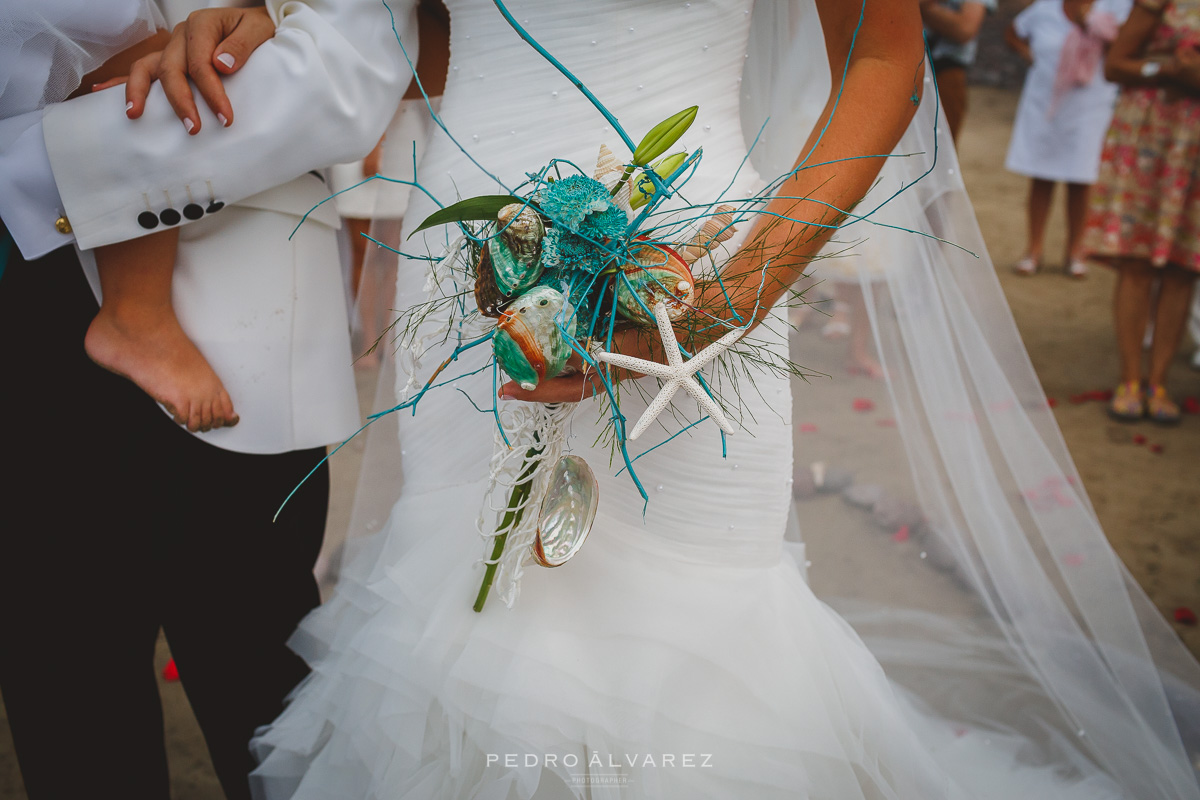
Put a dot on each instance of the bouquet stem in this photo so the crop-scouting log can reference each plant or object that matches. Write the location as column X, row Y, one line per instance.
column 512, row 518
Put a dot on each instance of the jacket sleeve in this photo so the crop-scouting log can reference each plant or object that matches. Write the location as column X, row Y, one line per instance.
column 320, row 92
column 29, row 202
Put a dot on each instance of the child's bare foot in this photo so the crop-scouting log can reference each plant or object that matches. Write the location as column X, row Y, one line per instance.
column 153, row 351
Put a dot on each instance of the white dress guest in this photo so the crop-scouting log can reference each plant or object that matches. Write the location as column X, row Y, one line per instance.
column 1059, row 141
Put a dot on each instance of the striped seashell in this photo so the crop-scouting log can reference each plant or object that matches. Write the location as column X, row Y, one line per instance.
column 654, row 273
column 528, row 344
column 516, row 253
column 716, row 229
column 608, row 171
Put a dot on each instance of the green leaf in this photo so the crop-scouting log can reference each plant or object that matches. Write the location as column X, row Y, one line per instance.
column 644, row 189
column 482, row 207
column 663, row 135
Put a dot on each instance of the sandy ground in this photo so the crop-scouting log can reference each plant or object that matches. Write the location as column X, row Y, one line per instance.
column 1147, row 502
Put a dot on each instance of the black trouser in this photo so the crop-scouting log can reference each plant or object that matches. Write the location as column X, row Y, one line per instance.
column 116, row 523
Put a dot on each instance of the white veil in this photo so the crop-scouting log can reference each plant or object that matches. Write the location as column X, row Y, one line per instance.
column 941, row 510
column 940, row 507
column 53, row 45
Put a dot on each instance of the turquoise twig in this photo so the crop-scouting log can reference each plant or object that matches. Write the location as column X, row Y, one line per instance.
column 578, row 84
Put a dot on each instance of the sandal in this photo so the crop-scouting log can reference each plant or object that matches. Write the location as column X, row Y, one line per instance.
column 1077, row 269
column 1160, row 408
column 1127, row 403
column 1028, row 265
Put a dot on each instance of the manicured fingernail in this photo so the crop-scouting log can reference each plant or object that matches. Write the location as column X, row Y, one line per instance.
column 506, row 397
column 129, row 107
column 188, row 124
column 226, row 59
column 224, row 122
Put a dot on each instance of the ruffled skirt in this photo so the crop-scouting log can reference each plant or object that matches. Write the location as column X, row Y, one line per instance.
column 624, row 674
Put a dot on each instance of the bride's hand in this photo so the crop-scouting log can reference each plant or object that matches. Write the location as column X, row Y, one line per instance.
column 212, row 42
column 583, row 382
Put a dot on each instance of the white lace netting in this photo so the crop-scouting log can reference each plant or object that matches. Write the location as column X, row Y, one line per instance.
column 47, row 47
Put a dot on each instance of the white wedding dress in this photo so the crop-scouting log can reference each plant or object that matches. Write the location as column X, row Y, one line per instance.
column 681, row 654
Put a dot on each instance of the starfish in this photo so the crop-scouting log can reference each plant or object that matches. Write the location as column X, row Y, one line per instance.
column 676, row 373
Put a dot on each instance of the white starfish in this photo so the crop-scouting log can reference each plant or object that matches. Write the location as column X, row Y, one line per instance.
column 676, row 373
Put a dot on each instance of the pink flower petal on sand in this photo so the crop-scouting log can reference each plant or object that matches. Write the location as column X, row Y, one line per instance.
column 863, row 404
column 808, row 427
column 1074, row 559
column 886, row 423
column 901, row 535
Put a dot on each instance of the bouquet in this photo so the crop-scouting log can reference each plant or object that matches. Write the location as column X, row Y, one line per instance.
column 562, row 264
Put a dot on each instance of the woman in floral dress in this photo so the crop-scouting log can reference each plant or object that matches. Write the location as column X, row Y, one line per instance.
column 1145, row 210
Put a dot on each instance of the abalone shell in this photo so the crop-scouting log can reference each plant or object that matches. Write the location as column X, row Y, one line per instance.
column 654, row 272
column 516, row 253
column 567, row 512
column 528, row 344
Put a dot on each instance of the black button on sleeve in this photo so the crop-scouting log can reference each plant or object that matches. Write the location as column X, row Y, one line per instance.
column 148, row 220
column 215, row 206
column 169, row 216
column 193, row 211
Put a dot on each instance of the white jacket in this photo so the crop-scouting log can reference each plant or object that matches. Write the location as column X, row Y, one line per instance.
column 268, row 313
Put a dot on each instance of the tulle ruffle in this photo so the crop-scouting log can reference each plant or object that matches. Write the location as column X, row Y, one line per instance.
column 623, row 674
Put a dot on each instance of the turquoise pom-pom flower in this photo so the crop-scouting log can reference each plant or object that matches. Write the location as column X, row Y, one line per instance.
column 586, row 224
column 591, row 248
column 568, row 202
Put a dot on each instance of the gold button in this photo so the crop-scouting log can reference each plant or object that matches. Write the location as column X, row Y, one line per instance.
column 62, row 225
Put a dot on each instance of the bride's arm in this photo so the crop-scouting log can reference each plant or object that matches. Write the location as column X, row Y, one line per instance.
column 883, row 81
column 882, row 61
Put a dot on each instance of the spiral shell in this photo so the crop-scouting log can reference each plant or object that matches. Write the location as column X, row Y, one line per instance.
column 654, row 273
column 528, row 344
column 609, row 171
column 516, row 253
column 717, row 228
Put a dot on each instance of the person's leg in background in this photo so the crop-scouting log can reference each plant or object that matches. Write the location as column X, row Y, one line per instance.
column 1041, row 193
column 1131, row 313
column 1077, row 204
column 952, row 89
column 1170, row 319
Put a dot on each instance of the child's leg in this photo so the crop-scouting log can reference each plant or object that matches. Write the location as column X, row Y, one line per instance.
column 137, row 335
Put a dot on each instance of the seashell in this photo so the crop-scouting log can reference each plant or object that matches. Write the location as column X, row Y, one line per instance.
column 609, row 171
column 654, row 273
column 488, row 296
column 516, row 253
column 528, row 343
column 716, row 229
column 567, row 512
